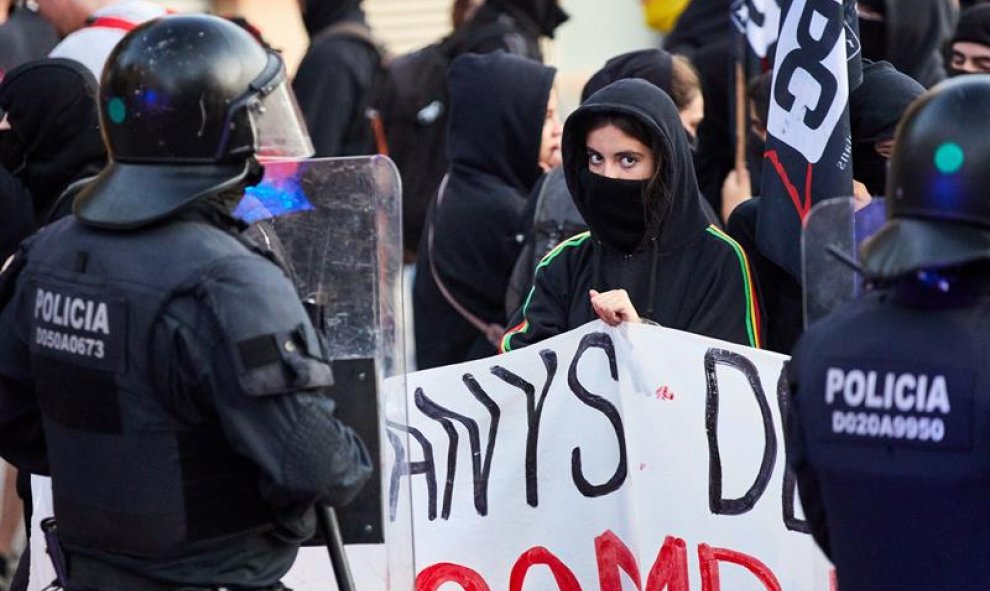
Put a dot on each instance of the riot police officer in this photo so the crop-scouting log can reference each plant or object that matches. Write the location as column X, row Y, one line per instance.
column 162, row 371
column 890, row 395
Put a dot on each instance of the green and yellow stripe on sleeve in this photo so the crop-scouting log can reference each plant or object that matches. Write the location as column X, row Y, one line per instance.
column 752, row 306
column 506, row 345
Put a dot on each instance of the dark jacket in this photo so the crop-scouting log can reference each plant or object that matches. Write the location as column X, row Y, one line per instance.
column 498, row 107
column 780, row 295
column 335, row 77
column 702, row 23
column 524, row 23
column 687, row 274
column 910, row 36
column 875, row 108
column 876, row 458
column 180, row 401
column 54, row 141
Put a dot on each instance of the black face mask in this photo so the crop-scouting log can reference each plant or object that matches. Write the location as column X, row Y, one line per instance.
column 873, row 39
column 615, row 209
column 12, row 155
column 869, row 168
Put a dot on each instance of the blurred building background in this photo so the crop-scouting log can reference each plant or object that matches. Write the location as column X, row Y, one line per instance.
column 598, row 29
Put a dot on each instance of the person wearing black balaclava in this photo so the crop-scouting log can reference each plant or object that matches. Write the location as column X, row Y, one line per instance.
column 909, row 35
column 969, row 50
column 650, row 253
column 53, row 141
column 551, row 202
column 515, row 26
column 875, row 108
column 504, row 132
column 335, row 77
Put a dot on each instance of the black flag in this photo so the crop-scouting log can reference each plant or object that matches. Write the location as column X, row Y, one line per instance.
column 808, row 156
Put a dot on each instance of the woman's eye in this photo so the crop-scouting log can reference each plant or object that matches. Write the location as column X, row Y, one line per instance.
column 629, row 161
column 595, row 159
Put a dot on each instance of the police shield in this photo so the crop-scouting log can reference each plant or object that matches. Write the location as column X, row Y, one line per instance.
column 339, row 223
column 832, row 234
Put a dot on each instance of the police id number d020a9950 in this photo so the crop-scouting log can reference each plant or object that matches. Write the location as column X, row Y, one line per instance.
column 889, row 405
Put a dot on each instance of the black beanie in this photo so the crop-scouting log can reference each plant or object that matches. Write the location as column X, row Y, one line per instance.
column 974, row 26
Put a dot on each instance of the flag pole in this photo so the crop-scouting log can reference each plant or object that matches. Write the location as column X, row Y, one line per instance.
column 741, row 108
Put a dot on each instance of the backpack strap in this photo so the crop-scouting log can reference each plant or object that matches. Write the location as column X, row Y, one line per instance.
column 492, row 331
column 356, row 31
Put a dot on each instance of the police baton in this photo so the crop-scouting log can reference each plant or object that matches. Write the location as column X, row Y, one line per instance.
column 326, row 517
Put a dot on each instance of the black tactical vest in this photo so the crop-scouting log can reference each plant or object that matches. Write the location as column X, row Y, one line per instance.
column 139, row 464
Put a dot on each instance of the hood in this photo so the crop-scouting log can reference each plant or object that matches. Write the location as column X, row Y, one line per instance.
column 974, row 26
column 52, row 110
column 875, row 108
column 543, row 16
column 878, row 104
column 498, row 104
column 653, row 65
column 652, row 107
column 320, row 14
column 915, row 33
column 702, row 23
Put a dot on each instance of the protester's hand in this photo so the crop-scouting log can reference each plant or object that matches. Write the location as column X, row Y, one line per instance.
column 735, row 190
column 613, row 307
column 861, row 196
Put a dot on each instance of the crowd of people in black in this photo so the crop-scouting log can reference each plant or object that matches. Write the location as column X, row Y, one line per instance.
column 650, row 218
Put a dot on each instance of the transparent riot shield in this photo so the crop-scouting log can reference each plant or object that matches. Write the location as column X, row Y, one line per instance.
column 339, row 223
column 832, row 234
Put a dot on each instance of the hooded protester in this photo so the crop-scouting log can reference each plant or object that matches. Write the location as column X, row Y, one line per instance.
column 503, row 132
column 650, row 252
column 335, row 77
column 54, row 140
column 969, row 50
column 909, row 35
column 875, row 108
column 551, row 215
column 524, row 21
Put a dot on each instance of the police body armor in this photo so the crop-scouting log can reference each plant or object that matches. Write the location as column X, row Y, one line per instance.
column 890, row 393
column 99, row 347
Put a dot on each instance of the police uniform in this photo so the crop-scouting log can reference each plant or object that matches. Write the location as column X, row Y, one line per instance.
column 162, row 371
column 890, row 395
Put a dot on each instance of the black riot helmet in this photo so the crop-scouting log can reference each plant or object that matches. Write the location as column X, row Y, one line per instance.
column 938, row 201
column 186, row 103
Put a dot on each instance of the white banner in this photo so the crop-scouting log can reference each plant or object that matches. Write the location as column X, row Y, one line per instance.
column 632, row 458
column 637, row 458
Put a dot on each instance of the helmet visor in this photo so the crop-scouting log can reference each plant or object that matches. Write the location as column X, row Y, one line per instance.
column 279, row 128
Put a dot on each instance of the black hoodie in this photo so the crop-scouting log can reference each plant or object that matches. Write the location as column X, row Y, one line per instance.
column 656, row 66
column 515, row 26
column 702, row 23
column 539, row 16
column 911, row 36
column 498, row 108
column 686, row 275
column 875, row 108
column 52, row 110
column 335, row 77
